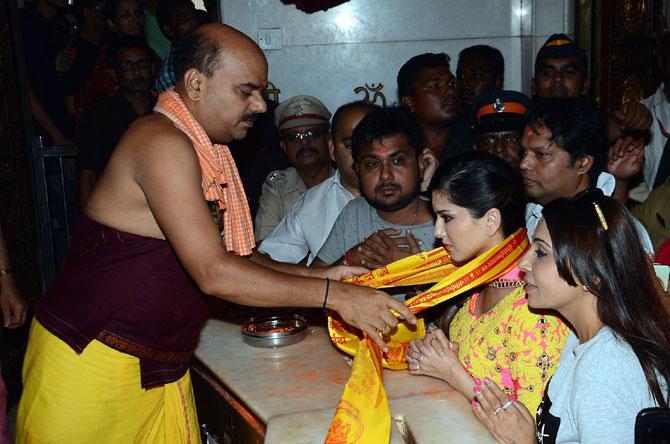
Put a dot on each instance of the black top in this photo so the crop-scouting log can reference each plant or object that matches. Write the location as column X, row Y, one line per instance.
column 547, row 424
column 101, row 128
column 82, row 66
column 43, row 39
column 460, row 141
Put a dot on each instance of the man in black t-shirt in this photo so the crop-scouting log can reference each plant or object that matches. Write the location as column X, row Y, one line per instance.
column 427, row 89
column 102, row 127
column 84, row 48
column 45, row 32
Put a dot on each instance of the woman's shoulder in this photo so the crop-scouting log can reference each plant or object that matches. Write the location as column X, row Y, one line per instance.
column 596, row 359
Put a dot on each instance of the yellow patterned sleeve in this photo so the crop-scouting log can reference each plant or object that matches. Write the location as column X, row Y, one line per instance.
column 534, row 347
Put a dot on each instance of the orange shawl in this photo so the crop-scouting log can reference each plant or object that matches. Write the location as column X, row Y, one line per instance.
column 220, row 180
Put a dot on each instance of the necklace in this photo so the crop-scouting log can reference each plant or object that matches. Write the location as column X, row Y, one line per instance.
column 506, row 283
column 416, row 212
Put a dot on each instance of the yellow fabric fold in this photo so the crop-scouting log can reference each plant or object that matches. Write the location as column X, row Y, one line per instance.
column 363, row 414
column 105, row 402
column 357, row 409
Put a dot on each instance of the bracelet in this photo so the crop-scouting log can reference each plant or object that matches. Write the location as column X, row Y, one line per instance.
column 325, row 299
column 5, row 272
column 349, row 257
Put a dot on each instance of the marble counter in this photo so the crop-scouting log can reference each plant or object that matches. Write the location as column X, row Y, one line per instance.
column 294, row 389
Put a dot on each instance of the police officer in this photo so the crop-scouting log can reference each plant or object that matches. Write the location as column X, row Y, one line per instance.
column 303, row 123
column 498, row 119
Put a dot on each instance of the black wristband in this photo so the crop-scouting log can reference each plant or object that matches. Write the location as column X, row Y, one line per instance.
column 325, row 298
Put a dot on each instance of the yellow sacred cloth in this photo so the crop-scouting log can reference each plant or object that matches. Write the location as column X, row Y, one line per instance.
column 105, row 401
column 359, row 411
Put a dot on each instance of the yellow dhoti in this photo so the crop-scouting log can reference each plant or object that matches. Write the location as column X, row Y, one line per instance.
column 96, row 396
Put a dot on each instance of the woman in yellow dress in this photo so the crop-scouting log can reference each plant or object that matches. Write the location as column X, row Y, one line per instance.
column 479, row 200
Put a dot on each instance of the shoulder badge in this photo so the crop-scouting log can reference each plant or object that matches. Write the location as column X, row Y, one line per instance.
column 276, row 176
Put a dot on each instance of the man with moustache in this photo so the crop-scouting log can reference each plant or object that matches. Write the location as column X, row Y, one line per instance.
column 427, row 89
column 309, row 221
column 561, row 70
column 303, row 129
column 562, row 154
column 480, row 69
column 101, row 128
column 390, row 216
column 110, row 344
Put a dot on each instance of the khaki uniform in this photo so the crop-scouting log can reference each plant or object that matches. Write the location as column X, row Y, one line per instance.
column 280, row 190
column 654, row 213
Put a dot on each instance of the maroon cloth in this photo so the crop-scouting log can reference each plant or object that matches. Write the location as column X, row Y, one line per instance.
column 131, row 293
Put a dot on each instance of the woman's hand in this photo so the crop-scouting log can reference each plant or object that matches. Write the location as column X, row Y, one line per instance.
column 507, row 420
column 437, row 357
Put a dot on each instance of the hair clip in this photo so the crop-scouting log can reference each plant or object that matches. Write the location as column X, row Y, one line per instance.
column 601, row 216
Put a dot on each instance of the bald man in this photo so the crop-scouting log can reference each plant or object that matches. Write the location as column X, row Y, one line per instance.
column 112, row 337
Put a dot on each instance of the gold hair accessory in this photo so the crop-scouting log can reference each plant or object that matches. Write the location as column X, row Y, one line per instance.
column 601, row 216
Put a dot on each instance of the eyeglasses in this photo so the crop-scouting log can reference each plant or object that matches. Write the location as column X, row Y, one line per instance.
column 131, row 66
column 310, row 134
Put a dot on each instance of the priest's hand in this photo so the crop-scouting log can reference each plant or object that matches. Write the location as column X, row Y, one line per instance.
column 367, row 309
column 338, row 272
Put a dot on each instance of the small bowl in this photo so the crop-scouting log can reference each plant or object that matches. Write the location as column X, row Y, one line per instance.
column 274, row 331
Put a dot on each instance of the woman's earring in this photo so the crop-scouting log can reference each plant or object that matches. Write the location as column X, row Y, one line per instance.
column 584, row 288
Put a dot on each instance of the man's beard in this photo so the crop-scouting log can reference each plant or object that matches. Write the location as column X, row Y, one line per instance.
column 402, row 201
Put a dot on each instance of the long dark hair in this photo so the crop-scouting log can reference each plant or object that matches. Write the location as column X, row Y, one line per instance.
column 479, row 181
column 595, row 243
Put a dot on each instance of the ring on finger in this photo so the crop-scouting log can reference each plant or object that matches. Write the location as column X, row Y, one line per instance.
column 496, row 411
column 507, row 405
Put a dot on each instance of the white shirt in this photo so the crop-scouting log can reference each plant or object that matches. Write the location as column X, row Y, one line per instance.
column 594, row 403
column 307, row 224
column 659, row 106
column 606, row 183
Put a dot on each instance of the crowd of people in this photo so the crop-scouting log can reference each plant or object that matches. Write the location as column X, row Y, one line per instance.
column 168, row 212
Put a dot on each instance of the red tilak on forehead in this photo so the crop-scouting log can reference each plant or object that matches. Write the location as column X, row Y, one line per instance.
column 383, row 149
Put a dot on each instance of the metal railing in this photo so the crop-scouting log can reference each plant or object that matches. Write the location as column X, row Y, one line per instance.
column 55, row 175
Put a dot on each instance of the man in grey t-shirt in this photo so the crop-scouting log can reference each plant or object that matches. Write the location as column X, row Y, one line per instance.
column 390, row 221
